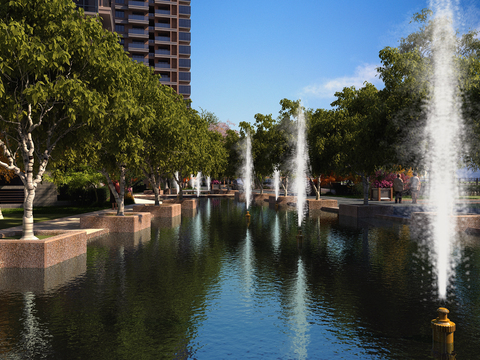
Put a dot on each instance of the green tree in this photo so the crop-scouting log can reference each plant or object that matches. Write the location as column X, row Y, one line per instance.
column 50, row 57
column 370, row 147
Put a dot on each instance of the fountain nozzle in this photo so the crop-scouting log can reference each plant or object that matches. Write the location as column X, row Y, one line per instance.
column 442, row 336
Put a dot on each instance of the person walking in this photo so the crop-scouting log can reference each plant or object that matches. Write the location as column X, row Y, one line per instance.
column 415, row 185
column 398, row 189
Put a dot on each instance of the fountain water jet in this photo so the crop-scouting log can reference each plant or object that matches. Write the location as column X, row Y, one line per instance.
column 198, row 182
column 276, row 182
column 301, row 166
column 209, row 181
column 247, row 171
column 443, row 133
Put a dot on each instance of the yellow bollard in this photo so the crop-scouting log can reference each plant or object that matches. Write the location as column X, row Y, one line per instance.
column 442, row 336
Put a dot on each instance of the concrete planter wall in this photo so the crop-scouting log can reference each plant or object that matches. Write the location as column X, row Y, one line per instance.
column 131, row 222
column 168, row 210
column 42, row 253
column 318, row 204
column 363, row 211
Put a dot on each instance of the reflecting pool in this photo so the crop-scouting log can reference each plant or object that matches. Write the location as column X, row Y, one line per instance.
column 209, row 287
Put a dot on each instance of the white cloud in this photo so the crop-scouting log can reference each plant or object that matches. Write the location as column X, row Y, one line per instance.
column 327, row 88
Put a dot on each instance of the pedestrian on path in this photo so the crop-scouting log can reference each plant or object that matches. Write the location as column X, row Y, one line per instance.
column 398, row 189
column 415, row 186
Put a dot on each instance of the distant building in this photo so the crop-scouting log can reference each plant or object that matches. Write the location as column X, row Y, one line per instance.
column 155, row 32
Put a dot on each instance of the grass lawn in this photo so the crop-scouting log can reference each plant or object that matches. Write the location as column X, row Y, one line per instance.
column 14, row 217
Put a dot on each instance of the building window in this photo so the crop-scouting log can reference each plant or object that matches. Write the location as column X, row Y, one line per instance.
column 119, row 28
column 119, row 14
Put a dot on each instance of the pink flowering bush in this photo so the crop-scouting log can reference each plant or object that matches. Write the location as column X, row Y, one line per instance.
column 215, row 182
column 385, row 180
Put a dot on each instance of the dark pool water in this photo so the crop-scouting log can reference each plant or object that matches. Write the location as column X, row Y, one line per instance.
column 209, row 287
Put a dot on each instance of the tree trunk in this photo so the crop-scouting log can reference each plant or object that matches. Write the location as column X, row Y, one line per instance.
column 316, row 188
column 285, row 186
column 366, row 184
column 121, row 197
column 155, row 190
column 29, row 189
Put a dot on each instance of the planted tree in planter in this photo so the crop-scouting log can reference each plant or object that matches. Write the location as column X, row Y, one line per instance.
column 51, row 58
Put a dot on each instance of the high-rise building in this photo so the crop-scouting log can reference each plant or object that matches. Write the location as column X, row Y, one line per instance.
column 155, row 32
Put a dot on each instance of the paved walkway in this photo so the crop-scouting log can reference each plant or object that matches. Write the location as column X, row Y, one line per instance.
column 71, row 222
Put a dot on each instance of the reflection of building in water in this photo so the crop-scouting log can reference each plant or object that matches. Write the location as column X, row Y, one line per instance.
column 298, row 319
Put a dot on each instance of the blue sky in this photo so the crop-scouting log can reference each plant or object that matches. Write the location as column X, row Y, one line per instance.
column 248, row 55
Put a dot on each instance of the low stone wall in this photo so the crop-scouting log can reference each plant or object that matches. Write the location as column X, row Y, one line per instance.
column 131, row 222
column 318, row 204
column 261, row 198
column 463, row 222
column 168, row 210
column 42, row 253
column 363, row 211
column 167, row 222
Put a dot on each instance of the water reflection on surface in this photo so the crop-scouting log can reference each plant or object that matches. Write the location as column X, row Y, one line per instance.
column 207, row 286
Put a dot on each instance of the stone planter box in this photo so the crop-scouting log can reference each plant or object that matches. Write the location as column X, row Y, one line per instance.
column 381, row 194
column 363, row 211
column 261, row 198
column 318, row 204
column 282, row 201
column 168, row 222
column 164, row 210
column 131, row 222
column 42, row 253
column 189, row 213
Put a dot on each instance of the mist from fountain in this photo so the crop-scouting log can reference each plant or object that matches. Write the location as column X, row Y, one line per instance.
column 209, row 182
column 247, row 170
column 299, row 184
column 276, row 183
column 198, row 183
column 444, row 125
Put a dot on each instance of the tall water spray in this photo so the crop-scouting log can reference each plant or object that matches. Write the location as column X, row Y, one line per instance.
column 209, row 181
column 299, row 184
column 247, row 171
column 443, row 129
column 276, row 182
column 198, row 183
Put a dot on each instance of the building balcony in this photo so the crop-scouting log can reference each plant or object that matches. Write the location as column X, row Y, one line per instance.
column 185, row 63
column 138, row 19
column 184, row 10
column 162, row 12
column 164, row 78
column 137, row 47
column 100, row 7
column 162, row 26
column 162, row 52
column 185, row 23
column 138, row 33
column 185, row 89
column 162, row 39
column 137, row 5
column 184, row 76
column 184, row 50
column 162, row 65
